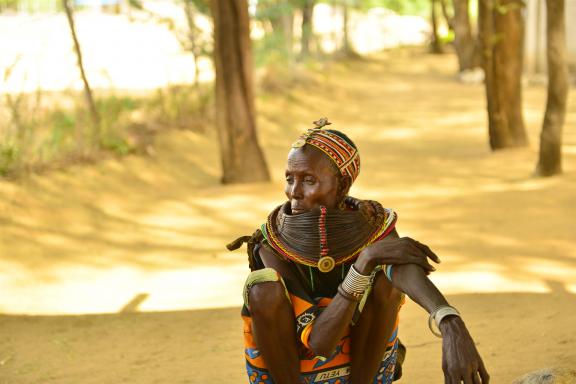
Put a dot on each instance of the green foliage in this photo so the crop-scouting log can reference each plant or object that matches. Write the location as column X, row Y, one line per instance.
column 63, row 124
column 271, row 50
column 114, row 112
column 8, row 159
column 182, row 107
column 30, row 5
column 202, row 6
column 402, row 7
column 273, row 9
column 50, row 135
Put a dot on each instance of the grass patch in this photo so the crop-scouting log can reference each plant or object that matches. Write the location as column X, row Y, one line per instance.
column 44, row 131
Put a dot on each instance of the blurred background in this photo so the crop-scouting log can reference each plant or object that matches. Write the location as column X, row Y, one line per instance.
column 138, row 138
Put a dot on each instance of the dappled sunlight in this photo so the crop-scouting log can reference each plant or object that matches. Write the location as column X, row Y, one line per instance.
column 149, row 232
column 484, row 282
column 84, row 289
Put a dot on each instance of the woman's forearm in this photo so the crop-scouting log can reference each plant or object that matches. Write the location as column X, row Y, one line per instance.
column 330, row 325
column 412, row 280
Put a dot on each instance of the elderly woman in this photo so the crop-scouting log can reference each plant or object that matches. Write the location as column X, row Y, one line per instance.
column 329, row 274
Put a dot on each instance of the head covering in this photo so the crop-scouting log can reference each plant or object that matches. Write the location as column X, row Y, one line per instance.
column 335, row 144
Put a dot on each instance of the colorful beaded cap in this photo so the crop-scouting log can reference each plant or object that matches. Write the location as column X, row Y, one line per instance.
column 334, row 145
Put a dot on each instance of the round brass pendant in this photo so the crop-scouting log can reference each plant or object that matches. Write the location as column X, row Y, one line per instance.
column 298, row 143
column 326, row 264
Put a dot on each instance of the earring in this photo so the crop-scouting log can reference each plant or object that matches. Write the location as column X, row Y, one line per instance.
column 342, row 206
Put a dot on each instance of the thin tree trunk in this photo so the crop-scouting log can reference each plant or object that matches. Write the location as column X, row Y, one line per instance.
column 346, row 48
column 501, row 34
column 435, row 44
column 192, row 37
column 550, row 159
column 242, row 158
column 464, row 43
column 288, row 31
column 307, row 27
column 449, row 19
column 87, row 90
column 282, row 20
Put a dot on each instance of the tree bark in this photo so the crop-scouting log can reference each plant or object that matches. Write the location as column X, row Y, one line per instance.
column 307, row 27
column 193, row 39
column 464, row 42
column 435, row 44
column 346, row 46
column 550, row 159
column 501, row 34
column 95, row 116
column 280, row 15
column 449, row 19
column 347, row 49
column 241, row 156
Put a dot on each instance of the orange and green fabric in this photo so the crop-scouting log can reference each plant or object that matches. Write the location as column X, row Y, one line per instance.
column 333, row 370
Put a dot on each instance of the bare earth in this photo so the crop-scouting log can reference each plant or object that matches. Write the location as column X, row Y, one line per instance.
column 108, row 269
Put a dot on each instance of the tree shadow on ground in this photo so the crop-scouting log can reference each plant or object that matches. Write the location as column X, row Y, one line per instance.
column 515, row 333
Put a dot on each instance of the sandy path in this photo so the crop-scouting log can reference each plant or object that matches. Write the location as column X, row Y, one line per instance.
column 91, row 239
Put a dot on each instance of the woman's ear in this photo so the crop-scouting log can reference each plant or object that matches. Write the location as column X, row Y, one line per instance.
column 344, row 187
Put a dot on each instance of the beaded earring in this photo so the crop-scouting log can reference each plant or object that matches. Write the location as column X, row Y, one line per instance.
column 342, row 205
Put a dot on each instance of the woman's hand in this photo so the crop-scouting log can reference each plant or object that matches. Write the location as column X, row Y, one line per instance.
column 461, row 361
column 394, row 250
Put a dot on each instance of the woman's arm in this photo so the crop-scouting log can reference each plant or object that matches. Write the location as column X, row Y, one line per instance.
column 330, row 325
column 461, row 361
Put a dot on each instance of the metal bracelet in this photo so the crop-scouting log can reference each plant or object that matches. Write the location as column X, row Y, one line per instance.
column 437, row 315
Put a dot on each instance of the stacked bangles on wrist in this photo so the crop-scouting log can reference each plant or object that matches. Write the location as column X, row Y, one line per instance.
column 437, row 315
column 354, row 285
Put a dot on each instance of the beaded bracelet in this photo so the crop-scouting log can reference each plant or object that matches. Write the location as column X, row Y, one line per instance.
column 355, row 283
column 438, row 315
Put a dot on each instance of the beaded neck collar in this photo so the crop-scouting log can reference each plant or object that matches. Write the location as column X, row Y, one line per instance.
column 323, row 237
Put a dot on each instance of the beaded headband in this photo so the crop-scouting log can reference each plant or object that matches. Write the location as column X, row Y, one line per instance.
column 334, row 145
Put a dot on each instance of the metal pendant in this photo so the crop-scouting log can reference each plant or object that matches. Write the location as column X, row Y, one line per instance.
column 326, row 264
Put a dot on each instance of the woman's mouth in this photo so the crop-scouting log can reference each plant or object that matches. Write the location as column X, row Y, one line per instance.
column 297, row 211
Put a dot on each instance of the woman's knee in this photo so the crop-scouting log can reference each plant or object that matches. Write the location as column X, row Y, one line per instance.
column 267, row 299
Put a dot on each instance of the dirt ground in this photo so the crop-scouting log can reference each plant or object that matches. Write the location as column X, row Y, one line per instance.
column 116, row 272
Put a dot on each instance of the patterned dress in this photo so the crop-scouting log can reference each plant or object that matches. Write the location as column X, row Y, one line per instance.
column 308, row 296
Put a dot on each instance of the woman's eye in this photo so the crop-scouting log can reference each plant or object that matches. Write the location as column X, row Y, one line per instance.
column 289, row 179
column 309, row 180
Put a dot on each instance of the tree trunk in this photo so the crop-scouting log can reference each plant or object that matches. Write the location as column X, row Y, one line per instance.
column 87, row 90
column 307, row 27
column 280, row 14
column 193, row 37
column 449, row 19
column 435, row 44
column 346, row 48
column 550, row 159
column 464, row 43
column 242, row 158
column 501, row 34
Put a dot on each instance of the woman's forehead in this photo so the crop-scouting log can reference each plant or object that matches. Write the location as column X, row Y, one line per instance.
column 308, row 159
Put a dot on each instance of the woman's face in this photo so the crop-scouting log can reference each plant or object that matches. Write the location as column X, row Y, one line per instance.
column 312, row 181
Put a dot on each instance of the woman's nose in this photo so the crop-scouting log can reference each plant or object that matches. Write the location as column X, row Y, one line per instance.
column 297, row 190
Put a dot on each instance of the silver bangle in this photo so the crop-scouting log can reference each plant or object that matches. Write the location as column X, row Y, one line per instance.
column 437, row 315
column 355, row 283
